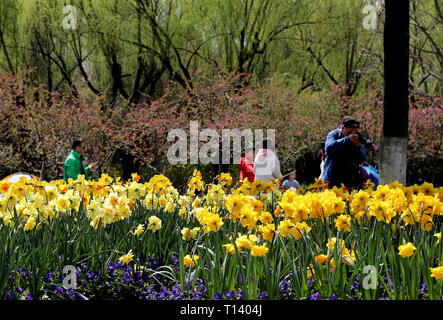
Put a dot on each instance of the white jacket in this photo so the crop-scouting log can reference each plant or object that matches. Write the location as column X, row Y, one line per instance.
column 266, row 166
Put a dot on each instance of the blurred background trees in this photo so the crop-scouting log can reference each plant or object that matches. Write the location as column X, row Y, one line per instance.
column 132, row 48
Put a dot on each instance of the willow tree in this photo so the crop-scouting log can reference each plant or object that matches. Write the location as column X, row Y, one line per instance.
column 8, row 35
column 335, row 47
column 131, row 48
column 240, row 33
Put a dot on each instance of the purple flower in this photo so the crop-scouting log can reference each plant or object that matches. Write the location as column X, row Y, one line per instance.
column 201, row 288
column 315, row 296
column 69, row 294
column 217, row 296
column 285, row 286
column 48, row 276
column 126, row 280
column 19, row 290
column 9, row 296
column 333, row 297
column 28, row 297
column 196, row 296
column 174, row 260
column 152, row 263
column 230, row 295
column 262, row 295
column 355, row 286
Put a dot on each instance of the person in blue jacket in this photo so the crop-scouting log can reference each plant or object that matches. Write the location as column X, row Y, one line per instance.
column 344, row 154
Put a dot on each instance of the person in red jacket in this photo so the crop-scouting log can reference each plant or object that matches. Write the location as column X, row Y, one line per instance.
column 246, row 165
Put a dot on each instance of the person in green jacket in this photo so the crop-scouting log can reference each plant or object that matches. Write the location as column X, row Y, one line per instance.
column 74, row 163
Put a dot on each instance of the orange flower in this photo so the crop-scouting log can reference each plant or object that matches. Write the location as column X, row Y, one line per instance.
column 4, row 187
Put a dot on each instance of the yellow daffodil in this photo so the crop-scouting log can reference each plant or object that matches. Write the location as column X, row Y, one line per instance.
column 343, row 222
column 126, row 258
column 267, row 231
column 30, row 224
column 139, row 230
column 155, row 224
column 230, row 248
column 322, row 258
column 187, row 260
column 437, row 273
column 438, row 236
column 259, row 251
column 189, row 234
column 406, row 250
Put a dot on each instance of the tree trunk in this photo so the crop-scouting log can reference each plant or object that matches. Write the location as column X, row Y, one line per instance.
column 394, row 143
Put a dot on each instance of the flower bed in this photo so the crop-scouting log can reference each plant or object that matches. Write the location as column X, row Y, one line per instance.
column 218, row 241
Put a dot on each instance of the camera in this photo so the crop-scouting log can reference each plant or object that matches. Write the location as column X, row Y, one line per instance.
column 363, row 140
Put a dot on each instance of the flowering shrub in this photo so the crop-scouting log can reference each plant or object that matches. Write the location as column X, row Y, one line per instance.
column 254, row 239
column 38, row 126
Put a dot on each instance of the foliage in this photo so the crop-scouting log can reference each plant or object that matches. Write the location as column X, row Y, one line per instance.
column 131, row 49
column 38, row 126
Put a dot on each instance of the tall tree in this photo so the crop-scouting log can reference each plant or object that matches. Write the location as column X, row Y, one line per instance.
column 394, row 143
